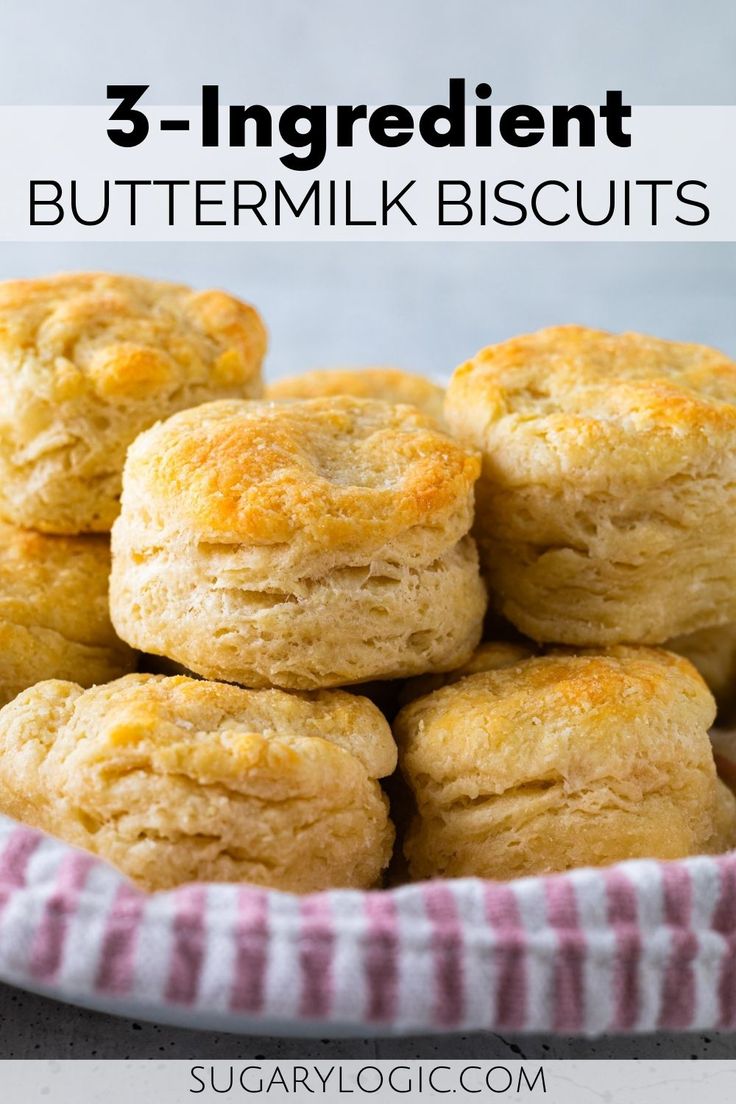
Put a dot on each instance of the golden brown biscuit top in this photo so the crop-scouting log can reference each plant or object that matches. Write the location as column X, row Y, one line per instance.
column 124, row 337
column 334, row 472
column 569, row 396
column 557, row 718
column 209, row 732
column 390, row 384
column 57, row 583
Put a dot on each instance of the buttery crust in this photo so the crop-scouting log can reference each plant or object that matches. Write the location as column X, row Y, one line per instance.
column 606, row 509
column 563, row 761
column 390, row 384
column 176, row 780
column 305, row 544
column 328, row 474
column 54, row 616
column 87, row 361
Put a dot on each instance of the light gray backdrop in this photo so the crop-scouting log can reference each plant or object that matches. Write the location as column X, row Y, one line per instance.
column 424, row 307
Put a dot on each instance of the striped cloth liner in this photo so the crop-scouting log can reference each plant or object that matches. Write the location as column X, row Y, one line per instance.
column 635, row 947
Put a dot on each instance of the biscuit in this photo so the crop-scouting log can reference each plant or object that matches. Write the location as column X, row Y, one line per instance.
column 489, row 656
column 87, row 361
column 713, row 652
column 563, row 761
column 389, row 384
column 54, row 616
column 177, row 780
column 307, row 544
column 606, row 509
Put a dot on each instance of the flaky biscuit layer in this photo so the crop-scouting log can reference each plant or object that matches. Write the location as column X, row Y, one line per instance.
column 365, row 622
column 54, row 615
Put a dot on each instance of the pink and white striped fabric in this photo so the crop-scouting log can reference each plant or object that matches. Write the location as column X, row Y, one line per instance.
column 635, row 947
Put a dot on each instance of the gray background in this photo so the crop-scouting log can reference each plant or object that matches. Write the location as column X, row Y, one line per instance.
column 35, row 1027
column 419, row 306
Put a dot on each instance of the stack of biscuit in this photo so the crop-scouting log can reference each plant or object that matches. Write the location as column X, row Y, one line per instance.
column 86, row 363
column 292, row 562
column 606, row 522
